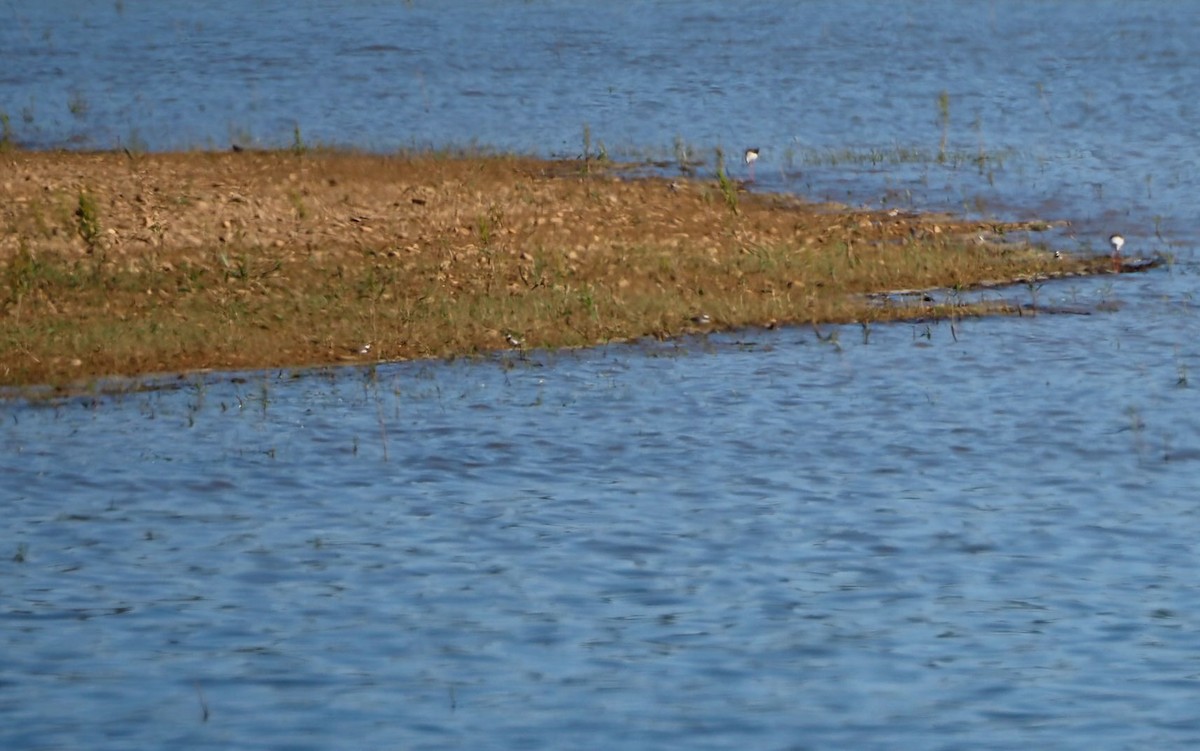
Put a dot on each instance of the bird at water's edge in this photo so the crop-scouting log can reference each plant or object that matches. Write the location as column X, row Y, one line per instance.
column 1117, row 243
column 750, row 157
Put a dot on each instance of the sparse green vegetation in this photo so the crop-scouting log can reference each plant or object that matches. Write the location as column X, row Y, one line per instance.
column 299, row 148
column 683, row 156
column 7, row 143
column 727, row 186
column 87, row 221
column 593, row 152
column 298, row 205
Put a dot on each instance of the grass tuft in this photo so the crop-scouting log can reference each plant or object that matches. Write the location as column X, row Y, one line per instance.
column 7, row 141
column 727, row 186
column 88, row 221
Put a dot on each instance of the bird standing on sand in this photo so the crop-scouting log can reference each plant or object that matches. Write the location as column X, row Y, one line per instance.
column 1117, row 243
column 750, row 157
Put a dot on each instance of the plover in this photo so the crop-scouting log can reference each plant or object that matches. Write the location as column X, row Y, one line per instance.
column 1117, row 243
column 750, row 157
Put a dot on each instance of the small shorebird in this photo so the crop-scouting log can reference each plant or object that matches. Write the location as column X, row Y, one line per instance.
column 750, row 157
column 353, row 353
column 1117, row 243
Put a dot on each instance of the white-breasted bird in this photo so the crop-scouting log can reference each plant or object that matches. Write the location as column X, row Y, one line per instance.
column 1117, row 242
column 750, row 157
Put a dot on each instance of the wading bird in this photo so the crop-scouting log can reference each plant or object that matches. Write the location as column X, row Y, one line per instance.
column 750, row 157
column 1117, row 243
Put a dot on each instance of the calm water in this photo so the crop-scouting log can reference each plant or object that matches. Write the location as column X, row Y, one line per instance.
column 913, row 537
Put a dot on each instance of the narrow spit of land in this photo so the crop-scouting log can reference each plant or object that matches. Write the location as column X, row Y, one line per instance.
column 128, row 264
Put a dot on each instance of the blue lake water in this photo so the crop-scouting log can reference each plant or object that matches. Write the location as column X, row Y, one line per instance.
column 914, row 536
column 1085, row 110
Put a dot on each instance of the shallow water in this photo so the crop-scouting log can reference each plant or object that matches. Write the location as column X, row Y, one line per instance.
column 977, row 535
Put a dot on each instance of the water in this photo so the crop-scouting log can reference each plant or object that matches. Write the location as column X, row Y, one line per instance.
column 1084, row 110
column 978, row 536
column 755, row 540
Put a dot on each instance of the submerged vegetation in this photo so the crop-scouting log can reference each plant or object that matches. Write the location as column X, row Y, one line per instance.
column 115, row 265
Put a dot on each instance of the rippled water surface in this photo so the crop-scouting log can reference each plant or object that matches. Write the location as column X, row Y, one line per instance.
column 755, row 540
column 969, row 536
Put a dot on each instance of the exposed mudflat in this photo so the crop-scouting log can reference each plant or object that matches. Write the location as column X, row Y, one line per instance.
column 123, row 264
